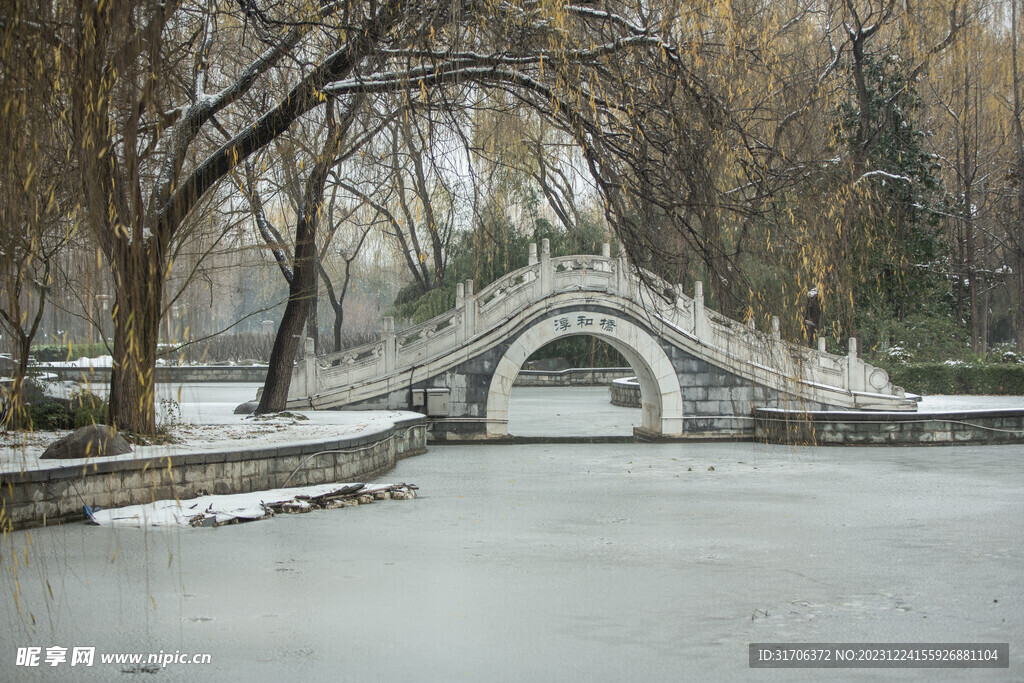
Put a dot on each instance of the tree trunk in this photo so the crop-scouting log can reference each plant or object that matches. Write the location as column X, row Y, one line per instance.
column 138, row 286
column 24, row 337
column 18, row 416
column 301, row 290
column 973, row 286
column 1020, row 293
column 339, row 319
column 313, row 319
column 1017, row 240
column 337, row 303
column 282, row 357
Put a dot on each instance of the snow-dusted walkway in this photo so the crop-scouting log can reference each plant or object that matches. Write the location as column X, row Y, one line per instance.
column 200, row 419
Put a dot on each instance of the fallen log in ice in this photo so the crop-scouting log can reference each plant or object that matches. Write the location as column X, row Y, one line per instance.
column 246, row 507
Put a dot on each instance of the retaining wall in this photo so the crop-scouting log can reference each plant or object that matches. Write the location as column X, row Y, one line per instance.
column 41, row 497
column 625, row 392
column 571, row 377
column 886, row 428
column 181, row 374
column 166, row 374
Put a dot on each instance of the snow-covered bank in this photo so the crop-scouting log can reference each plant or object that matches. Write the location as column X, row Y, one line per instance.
column 244, row 507
column 210, row 428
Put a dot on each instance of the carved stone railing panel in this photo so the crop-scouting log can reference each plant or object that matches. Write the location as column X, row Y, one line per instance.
column 492, row 294
column 582, row 279
column 434, row 340
column 348, row 357
column 427, row 330
column 563, row 264
column 367, row 365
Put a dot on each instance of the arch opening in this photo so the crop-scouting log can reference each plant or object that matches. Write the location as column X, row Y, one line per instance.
column 564, row 389
column 661, row 399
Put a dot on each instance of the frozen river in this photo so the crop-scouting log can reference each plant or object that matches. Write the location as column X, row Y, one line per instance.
column 556, row 562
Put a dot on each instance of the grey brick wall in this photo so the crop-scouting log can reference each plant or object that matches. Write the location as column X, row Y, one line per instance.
column 889, row 429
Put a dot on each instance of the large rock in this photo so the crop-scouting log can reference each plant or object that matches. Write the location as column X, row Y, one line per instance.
column 247, row 408
column 88, row 442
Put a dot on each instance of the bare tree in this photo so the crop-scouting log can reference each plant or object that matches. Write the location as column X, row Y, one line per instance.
column 34, row 197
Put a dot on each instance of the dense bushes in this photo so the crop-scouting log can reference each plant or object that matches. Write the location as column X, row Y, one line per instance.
column 960, row 378
column 46, row 413
column 56, row 353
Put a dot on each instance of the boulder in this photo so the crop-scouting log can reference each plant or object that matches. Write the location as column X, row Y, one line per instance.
column 247, row 408
column 88, row 442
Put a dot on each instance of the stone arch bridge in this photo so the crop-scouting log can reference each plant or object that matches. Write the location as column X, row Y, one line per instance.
column 699, row 372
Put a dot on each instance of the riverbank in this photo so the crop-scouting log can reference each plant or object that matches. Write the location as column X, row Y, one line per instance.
column 211, row 451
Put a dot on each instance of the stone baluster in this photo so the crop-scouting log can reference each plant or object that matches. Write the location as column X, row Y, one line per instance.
column 776, row 328
column 700, row 321
column 619, row 282
column 821, row 344
column 460, row 302
column 533, row 254
column 546, row 275
column 309, row 360
column 854, row 368
column 606, row 253
column 468, row 311
column 303, row 383
column 387, row 335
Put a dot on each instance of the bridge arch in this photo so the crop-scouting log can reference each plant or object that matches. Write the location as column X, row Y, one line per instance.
column 660, row 395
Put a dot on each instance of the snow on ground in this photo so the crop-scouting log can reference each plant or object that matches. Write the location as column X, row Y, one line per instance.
column 200, row 419
column 98, row 362
column 216, row 510
column 946, row 404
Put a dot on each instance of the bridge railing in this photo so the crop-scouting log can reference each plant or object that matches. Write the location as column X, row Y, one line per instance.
column 505, row 297
column 418, row 343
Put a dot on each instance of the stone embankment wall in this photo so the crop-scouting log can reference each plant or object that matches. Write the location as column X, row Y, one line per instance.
column 42, row 497
column 888, row 429
column 571, row 377
column 625, row 392
column 181, row 374
column 166, row 374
